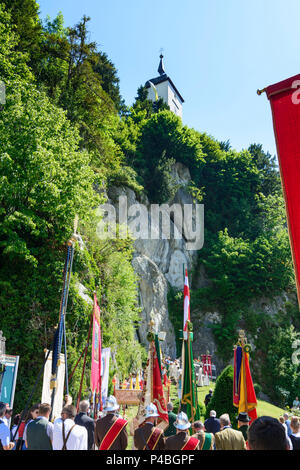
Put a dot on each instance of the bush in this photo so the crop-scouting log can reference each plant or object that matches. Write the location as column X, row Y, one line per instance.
column 221, row 400
column 257, row 389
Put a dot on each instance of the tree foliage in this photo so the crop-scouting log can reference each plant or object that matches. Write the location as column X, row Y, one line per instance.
column 48, row 174
column 221, row 401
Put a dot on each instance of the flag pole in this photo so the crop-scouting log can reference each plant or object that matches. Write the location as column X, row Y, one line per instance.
column 84, row 361
column 60, row 328
column 190, row 366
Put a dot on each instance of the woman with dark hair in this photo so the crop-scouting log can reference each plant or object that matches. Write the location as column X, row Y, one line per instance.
column 15, row 422
column 31, row 415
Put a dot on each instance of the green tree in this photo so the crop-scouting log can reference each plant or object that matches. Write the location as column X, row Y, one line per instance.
column 13, row 64
column 222, row 401
column 44, row 180
column 25, row 18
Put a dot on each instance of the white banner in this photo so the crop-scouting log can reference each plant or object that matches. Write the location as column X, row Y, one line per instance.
column 105, row 356
column 59, row 394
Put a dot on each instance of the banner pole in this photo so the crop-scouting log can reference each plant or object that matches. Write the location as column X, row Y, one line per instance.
column 190, row 366
column 66, row 359
column 84, row 362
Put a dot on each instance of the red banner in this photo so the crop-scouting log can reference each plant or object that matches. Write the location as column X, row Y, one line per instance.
column 186, row 305
column 285, row 103
column 96, row 349
column 158, row 392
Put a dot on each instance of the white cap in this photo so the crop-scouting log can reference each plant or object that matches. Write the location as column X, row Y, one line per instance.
column 151, row 411
column 111, row 404
column 182, row 422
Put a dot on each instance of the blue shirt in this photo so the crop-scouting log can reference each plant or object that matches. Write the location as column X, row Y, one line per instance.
column 4, row 434
column 289, row 431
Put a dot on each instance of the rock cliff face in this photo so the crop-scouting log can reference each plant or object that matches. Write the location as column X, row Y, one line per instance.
column 160, row 259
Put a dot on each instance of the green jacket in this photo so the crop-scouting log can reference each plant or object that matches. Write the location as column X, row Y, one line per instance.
column 171, row 430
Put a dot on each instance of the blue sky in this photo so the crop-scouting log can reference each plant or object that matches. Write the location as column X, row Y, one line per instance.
column 217, row 53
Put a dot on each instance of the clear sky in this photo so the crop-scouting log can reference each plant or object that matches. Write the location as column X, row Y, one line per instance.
column 217, row 53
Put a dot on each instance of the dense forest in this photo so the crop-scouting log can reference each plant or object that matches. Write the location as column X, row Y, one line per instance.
column 66, row 137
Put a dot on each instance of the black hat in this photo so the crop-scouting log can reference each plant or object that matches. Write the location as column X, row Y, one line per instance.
column 243, row 417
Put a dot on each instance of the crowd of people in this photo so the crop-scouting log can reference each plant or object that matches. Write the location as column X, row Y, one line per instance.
column 76, row 430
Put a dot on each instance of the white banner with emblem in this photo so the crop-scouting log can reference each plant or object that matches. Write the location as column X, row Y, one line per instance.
column 47, row 392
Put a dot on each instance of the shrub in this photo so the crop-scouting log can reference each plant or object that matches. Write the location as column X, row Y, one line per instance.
column 257, row 389
column 221, row 400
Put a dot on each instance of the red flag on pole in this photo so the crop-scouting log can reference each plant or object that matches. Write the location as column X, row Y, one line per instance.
column 157, row 390
column 96, row 349
column 285, row 104
column 186, row 307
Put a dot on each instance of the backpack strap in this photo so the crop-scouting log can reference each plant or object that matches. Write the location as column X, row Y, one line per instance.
column 65, row 439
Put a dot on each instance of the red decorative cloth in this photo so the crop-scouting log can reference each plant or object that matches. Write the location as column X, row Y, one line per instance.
column 285, row 104
column 158, row 392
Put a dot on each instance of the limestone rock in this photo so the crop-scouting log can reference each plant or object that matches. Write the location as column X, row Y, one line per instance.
column 153, row 291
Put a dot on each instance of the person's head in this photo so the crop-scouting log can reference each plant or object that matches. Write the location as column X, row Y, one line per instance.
column 224, row 420
column 84, row 406
column 170, row 406
column 210, row 390
column 8, row 412
column 68, row 412
column 295, row 424
column 182, row 423
column 2, row 409
column 266, row 433
column 16, row 419
column 281, row 419
column 198, row 426
column 33, row 412
column 111, row 405
column 243, row 419
column 212, row 414
column 286, row 416
column 151, row 413
column 297, row 399
column 45, row 410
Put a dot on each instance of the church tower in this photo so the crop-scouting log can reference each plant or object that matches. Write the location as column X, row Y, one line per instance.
column 163, row 87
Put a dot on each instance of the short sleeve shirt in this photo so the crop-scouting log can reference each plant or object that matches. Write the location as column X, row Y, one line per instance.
column 4, row 434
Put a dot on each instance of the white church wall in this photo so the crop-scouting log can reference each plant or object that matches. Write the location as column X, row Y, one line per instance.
column 169, row 95
column 174, row 101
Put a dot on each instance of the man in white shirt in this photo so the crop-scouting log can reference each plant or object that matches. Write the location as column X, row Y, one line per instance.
column 5, row 442
column 66, row 434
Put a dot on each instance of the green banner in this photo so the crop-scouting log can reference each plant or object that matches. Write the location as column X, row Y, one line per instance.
column 189, row 401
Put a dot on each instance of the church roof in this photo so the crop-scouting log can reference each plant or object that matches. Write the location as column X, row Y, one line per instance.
column 163, row 78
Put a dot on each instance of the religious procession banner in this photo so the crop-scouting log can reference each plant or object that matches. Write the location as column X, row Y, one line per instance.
column 47, row 387
column 9, row 379
column 158, row 397
column 96, row 349
column 244, row 397
column 153, row 388
column 105, row 357
column 189, row 400
column 186, row 300
column 285, row 104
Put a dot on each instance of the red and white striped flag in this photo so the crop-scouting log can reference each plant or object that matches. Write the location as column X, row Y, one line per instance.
column 186, row 308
